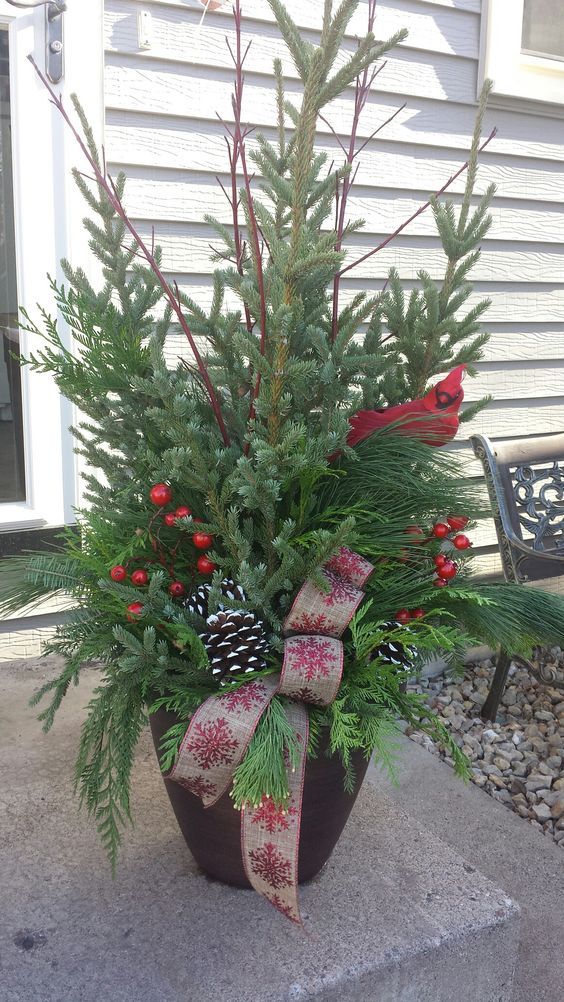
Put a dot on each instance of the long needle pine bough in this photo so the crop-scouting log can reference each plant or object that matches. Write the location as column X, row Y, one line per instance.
column 249, row 432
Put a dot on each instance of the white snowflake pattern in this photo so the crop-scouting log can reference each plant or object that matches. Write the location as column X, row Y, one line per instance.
column 212, row 744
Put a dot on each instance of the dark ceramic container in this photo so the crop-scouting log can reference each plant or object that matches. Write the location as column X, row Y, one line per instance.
column 213, row 834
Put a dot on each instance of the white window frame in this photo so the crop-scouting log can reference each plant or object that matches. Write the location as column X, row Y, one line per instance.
column 48, row 226
column 516, row 74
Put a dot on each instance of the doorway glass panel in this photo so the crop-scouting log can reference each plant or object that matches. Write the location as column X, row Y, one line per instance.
column 12, row 475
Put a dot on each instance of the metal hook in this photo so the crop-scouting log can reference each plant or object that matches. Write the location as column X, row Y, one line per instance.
column 59, row 5
column 54, row 55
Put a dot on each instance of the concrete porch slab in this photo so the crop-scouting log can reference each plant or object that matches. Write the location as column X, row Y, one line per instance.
column 396, row 916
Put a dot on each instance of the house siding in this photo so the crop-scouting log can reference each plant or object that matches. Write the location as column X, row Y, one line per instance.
column 163, row 131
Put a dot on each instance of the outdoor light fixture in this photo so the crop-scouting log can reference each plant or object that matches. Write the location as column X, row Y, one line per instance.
column 54, row 57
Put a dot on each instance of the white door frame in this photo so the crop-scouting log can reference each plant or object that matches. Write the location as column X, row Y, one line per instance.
column 48, row 225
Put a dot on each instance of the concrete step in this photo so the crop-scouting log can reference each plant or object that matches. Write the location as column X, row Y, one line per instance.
column 396, row 916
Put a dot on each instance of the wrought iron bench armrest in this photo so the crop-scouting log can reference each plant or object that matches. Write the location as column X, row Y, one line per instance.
column 496, row 462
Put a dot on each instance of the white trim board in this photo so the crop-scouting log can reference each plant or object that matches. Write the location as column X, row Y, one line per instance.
column 48, row 224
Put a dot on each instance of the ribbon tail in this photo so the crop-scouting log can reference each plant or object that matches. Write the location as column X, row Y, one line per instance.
column 217, row 739
column 270, row 835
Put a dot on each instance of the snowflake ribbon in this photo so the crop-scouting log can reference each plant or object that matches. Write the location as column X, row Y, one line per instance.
column 221, row 729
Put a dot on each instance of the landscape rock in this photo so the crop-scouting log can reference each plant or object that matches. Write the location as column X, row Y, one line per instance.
column 538, row 781
column 518, row 759
column 542, row 812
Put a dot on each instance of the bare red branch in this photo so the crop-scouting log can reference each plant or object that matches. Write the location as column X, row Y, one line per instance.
column 110, row 190
column 417, row 213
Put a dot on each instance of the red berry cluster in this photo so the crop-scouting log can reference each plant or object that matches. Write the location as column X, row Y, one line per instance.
column 161, row 496
column 445, row 568
column 403, row 616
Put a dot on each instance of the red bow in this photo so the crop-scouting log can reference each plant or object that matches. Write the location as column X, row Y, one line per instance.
column 439, row 406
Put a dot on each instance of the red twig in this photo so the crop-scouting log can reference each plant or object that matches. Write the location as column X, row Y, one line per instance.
column 418, row 212
column 362, row 90
column 234, row 153
column 379, row 129
column 109, row 188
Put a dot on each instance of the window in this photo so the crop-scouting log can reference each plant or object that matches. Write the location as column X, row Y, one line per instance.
column 40, row 223
column 523, row 49
column 12, row 473
column 543, row 29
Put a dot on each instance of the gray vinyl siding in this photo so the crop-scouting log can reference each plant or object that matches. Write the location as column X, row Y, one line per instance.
column 163, row 131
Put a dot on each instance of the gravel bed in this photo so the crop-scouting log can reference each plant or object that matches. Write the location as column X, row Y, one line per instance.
column 518, row 760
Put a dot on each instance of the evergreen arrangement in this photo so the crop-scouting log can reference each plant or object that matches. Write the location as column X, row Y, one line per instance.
column 218, row 486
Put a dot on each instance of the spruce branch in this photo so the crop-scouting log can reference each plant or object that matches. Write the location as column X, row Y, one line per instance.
column 239, row 137
column 362, row 89
column 422, row 208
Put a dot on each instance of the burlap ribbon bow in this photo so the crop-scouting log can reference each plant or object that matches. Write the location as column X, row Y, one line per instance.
column 220, row 730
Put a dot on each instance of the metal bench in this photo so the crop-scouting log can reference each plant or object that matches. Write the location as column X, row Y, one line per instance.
column 525, row 481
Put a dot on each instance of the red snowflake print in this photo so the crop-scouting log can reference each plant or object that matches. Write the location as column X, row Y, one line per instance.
column 274, row 868
column 308, row 623
column 246, row 698
column 212, row 744
column 312, row 658
column 341, row 591
column 306, row 695
column 285, row 909
column 200, row 786
column 271, row 818
column 350, row 565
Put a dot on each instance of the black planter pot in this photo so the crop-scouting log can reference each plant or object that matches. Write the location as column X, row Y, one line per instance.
column 213, row 834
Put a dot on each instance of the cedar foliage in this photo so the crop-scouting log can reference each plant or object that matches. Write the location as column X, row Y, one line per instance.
column 242, row 432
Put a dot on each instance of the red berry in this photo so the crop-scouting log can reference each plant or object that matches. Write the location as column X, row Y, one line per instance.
column 441, row 530
column 205, row 565
column 134, row 610
column 160, row 494
column 461, row 542
column 118, row 573
column 202, row 540
column 440, row 559
column 447, row 571
column 177, row 589
column 457, row 522
column 197, row 519
column 170, row 518
column 183, row 511
column 439, row 583
column 402, row 616
column 417, row 613
column 139, row 577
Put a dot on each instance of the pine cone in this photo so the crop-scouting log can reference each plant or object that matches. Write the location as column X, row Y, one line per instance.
column 198, row 602
column 394, row 652
column 236, row 643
